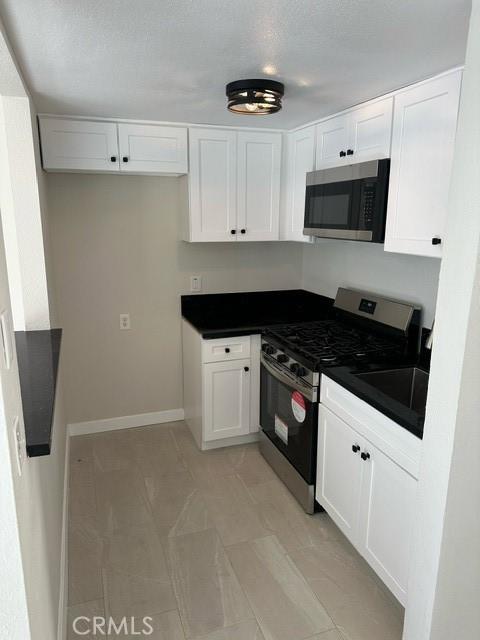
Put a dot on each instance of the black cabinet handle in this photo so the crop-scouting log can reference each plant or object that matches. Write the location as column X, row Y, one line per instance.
column 113, row 158
column 349, row 152
column 125, row 158
column 243, row 231
column 365, row 455
column 246, row 368
column 342, row 154
column 233, row 231
column 355, row 448
column 227, row 349
column 436, row 241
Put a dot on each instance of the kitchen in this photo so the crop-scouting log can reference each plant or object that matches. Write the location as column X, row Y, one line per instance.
column 247, row 307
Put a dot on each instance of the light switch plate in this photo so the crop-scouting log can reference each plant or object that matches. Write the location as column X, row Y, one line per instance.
column 124, row 321
column 195, row 284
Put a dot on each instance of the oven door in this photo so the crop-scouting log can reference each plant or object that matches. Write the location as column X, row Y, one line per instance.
column 289, row 417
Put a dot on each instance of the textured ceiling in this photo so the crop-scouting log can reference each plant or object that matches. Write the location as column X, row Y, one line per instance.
column 170, row 59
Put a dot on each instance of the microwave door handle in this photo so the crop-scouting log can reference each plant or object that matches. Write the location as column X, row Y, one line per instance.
column 309, row 392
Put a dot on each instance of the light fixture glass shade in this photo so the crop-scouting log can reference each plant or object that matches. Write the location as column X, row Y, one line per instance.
column 254, row 97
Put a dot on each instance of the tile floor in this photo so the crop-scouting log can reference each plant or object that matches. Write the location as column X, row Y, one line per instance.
column 210, row 545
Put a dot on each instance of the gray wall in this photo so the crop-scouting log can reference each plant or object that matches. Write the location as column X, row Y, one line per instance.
column 329, row 264
column 115, row 249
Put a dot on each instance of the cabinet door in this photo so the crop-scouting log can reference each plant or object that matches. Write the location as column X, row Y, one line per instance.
column 152, row 149
column 333, row 137
column 339, row 472
column 259, row 165
column 387, row 512
column 300, row 159
column 78, row 145
column 371, row 131
column 424, row 127
column 212, row 185
column 226, row 399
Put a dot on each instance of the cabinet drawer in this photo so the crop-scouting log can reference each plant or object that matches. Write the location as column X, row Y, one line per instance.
column 223, row 349
column 393, row 440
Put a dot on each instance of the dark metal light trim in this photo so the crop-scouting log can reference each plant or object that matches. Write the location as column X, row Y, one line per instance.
column 254, row 97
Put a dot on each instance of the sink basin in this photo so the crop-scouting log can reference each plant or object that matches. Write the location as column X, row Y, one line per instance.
column 408, row 386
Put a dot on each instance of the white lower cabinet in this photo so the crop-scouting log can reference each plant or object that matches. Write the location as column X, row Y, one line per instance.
column 226, row 393
column 367, row 491
column 221, row 388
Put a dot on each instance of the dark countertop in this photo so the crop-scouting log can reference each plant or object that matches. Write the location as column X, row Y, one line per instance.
column 398, row 412
column 38, row 354
column 222, row 315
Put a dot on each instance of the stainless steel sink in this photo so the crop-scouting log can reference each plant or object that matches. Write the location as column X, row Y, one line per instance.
column 408, row 386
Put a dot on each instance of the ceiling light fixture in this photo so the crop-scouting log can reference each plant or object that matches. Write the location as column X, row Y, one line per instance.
column 254, row 97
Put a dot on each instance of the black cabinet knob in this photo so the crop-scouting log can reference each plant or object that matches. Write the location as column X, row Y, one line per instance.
column 125, row 158
column 355, row 448
column 243, row 231
column 349, row 152
column 233, row 231
column 113, row 158
column 246, row 368
column 282, row 358
column 227, row 349
column 342, row 154
column 365, row 455
column 436, row 241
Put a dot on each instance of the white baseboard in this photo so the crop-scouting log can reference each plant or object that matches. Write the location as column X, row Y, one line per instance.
column 63, row 597
column 125, row 422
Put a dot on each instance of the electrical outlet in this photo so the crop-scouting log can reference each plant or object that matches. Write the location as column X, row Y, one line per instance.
column 19, row 445
column 124, row 321
column 195, row 284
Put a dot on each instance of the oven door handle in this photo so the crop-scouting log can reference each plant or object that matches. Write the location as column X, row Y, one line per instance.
column 305, row 389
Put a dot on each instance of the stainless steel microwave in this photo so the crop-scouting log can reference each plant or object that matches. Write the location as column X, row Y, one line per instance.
column 349, row 202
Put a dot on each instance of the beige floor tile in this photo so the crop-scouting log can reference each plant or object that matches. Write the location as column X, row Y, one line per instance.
column 112, row 451
column 155, row 452
column 121, row 500
column 88, row 610
column 82, row 498
column 281, row 515
column 166, row 626
column 232, row 510
column 244, row 631
column 334, row 634
column 84, row 561
column 137, row 551
column 208, row 594
column 338, row 576
column 284, row 605
column 253, row 468
column 358, row 623
column 177, row 505
column 127, row 595
column 81, row 449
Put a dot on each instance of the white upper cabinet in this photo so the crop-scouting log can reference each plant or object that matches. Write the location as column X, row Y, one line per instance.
column 152, row 149
column 78, row 145
column 212, row 185
column 370, row 131
column 355, row 136
column 299, row 159
column 424, row 128
column 85, row 145
column 333, row 139
column 258, row 185
column 234, row 185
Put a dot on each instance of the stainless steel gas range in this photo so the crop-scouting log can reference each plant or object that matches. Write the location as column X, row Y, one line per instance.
column 361, row 328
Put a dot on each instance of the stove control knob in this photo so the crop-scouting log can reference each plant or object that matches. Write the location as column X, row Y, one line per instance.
column 268, row 349
column 297, row 369
column 282, row 358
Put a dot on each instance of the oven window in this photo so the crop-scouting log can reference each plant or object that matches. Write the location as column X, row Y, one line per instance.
column 329, row 206
column 289, row 419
